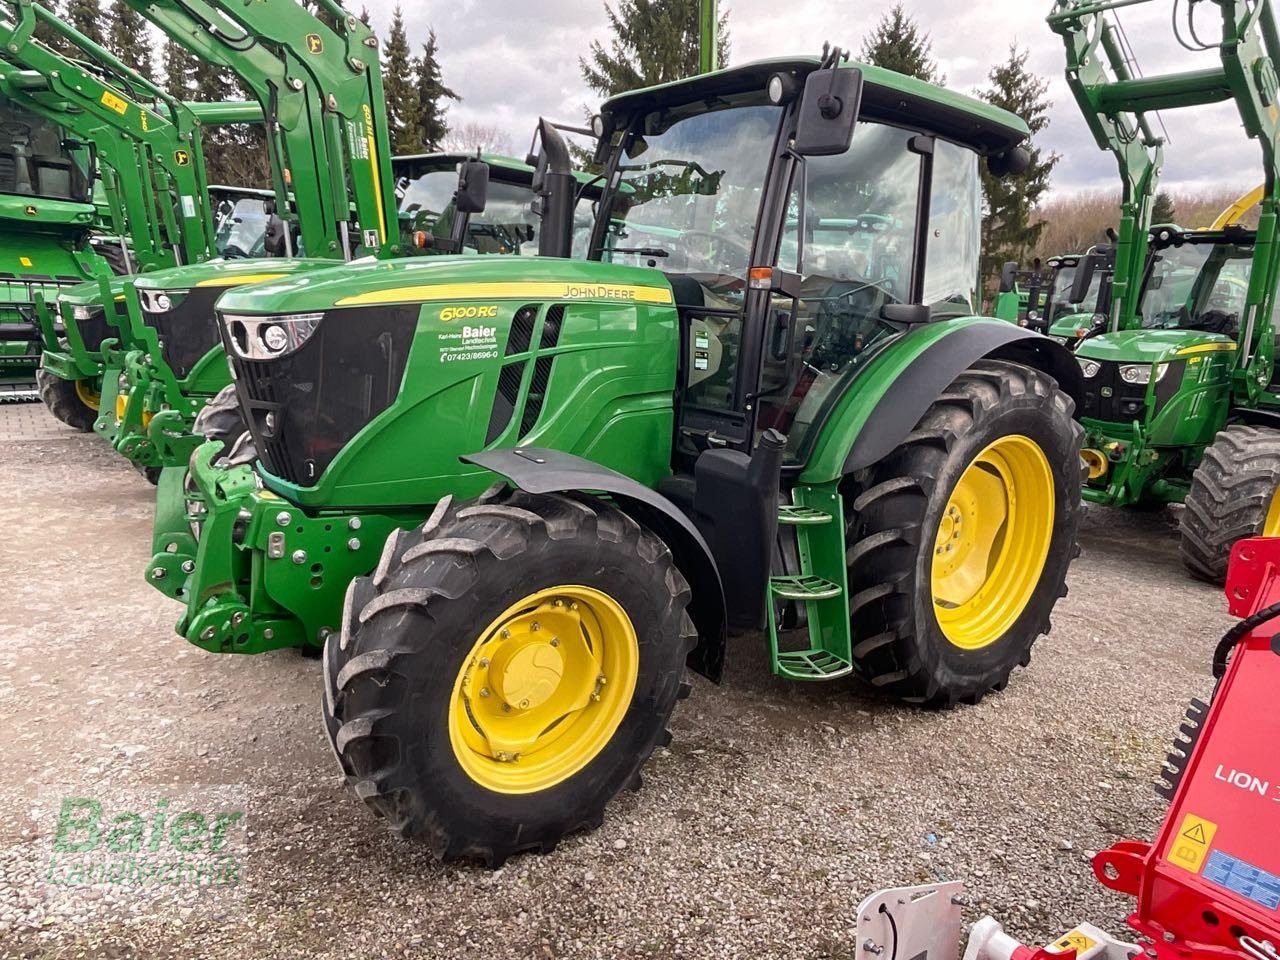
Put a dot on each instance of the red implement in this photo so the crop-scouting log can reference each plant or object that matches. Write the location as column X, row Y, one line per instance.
column 1209, row 886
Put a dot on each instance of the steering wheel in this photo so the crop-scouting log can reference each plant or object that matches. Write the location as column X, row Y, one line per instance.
column 232, row 252
column 835, row 339
column 715, row 241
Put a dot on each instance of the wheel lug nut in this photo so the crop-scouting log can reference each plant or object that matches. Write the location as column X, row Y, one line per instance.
column 555, row 641
column 533, row 627
column 505, row 634
column 484, row 661
column 484, row 691
column 524, row 704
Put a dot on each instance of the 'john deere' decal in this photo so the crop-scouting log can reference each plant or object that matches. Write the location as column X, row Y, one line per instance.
column 181, row 157
column 30, row 211
column 315, row 44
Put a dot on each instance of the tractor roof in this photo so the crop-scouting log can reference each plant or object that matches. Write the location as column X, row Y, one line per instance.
column 517, row 171
column 887, row 96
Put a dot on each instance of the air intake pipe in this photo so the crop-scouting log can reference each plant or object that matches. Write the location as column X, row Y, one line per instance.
column 556, row 187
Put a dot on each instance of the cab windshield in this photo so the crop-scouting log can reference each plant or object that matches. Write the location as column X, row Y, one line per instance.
column 689, row 188
column 36, row 160
column 242, row 229
column 508, row 224
column 1060, row 304
column 1197, row 286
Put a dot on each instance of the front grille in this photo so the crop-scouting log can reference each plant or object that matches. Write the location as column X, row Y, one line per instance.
column 188, row 330
column 1107, row 397
column 306, row 405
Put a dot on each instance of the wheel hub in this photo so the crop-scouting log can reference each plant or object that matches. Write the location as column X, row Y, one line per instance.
column 533, row 703
column 992, row 541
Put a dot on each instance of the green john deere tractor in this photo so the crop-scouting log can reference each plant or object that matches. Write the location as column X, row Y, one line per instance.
column 1018, row 292
column 47, row 221
column 1180, row 402
column 545, row 486
column 1072, row 311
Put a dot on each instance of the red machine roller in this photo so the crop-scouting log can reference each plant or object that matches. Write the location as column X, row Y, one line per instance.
column 1208, row 888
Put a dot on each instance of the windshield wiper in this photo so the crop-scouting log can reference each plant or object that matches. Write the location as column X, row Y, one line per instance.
column 642, row 251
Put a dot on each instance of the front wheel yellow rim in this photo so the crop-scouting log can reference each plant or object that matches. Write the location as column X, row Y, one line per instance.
column 992, row 542
column 1271, row 526
column 88, row 395
column 543, row 689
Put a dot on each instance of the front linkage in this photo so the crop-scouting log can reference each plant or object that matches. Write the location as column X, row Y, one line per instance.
column 256, row 572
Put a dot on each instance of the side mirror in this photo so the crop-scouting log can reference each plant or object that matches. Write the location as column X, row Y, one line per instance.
column 1011, row 163
column 1083, row 278
column 1008, row 277
column 829, row 111
column 473, row 186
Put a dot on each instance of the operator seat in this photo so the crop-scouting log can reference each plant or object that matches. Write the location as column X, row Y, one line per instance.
column 54, row 176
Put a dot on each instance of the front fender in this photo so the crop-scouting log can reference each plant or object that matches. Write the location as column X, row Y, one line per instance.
column 537, row 470
column 883, row 403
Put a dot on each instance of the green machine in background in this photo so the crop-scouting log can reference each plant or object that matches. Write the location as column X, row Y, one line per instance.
column 557, row 481
column 1018, row 292
column 1180, row 403
column 162, row 216
column 319, row 85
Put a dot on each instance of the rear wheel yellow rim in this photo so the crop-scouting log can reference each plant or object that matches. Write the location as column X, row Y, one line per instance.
column 543, row 689
column 992, row 542
column 1271, row 526
column 88, row 394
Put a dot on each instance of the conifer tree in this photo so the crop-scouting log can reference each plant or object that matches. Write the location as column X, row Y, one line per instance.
column 432, row 96
column 399, row 89
column 86, row 17
column 898, row 43
column 652, row 42
column 1012, row 227
column 130, row 40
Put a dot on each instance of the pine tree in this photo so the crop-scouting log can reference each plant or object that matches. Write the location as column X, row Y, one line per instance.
column 364, row 16
column 654, row 41
column 129, row 40
column 86, row 17
column 432, row 96
column 1163, row 210
column 1009, row 229
column 43, row 32
column 898, row 43
column 180, row 66
column 399, row 90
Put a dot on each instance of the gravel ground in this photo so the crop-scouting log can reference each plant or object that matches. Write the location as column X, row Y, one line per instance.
column 775, row 810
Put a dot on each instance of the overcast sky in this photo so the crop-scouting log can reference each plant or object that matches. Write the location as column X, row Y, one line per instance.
column 513, row 60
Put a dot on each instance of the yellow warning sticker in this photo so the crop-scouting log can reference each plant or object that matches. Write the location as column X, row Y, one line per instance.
column 113, row 102
column 1076, row 940
column 25, row 261
column 1191, row 845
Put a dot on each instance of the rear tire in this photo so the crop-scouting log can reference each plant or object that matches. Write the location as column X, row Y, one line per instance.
column 414, row 632
column 1232, row 493
column 66, row 402
column 897, row 508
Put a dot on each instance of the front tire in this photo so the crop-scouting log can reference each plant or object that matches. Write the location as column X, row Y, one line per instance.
column 959, row 541
column 485, row 741
column 74, row 402
column 1235, row 493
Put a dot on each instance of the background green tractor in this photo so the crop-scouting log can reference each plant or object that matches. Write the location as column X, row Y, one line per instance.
column 557, row 482
column 1077, row 301
column 1019, row 292
column 1180, row 403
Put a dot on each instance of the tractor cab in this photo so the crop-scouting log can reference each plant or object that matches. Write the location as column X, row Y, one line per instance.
column 1078, row 296
column 792, row 262
column 245, row 221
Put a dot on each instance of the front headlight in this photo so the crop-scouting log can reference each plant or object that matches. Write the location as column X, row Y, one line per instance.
column 1141, row 373
column 1089, row 367
column 160, row 301
column 1033, row 315
column 266, row 338
column 1061, row 340
column 85, row 311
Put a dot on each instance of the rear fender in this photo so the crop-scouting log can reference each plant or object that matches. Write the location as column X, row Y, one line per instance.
column 883, row 404
column 537, row 470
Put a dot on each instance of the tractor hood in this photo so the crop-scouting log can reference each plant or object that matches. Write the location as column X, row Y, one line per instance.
column 1151, row 346
column 1072, row 325
column 90, row 292
column 374, row 283
column 227, row 273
